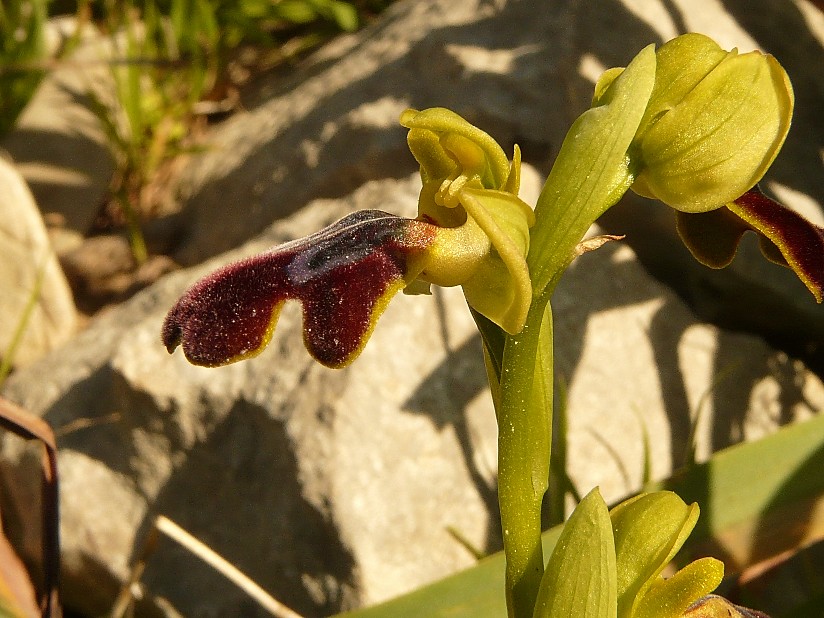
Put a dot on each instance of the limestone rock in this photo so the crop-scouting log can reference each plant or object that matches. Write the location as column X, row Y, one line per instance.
column 638, row 362
column 522, row 70
column 35, row 294
column 102, row 270
column 290, row 470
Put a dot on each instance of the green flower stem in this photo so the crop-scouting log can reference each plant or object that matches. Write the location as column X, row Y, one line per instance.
column 524, row 437
column 590, row 174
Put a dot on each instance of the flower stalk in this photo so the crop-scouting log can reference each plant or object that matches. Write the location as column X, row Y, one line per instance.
column 589, row 176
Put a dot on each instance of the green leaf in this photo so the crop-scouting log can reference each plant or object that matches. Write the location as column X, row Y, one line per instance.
column 759, row 499
column 580, row 577
column 22, row 47
column 344, row 15
column 295, row 11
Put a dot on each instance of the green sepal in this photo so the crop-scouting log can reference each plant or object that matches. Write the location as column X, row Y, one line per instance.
column 681, row 64
column 591, row 172
column 715, row 123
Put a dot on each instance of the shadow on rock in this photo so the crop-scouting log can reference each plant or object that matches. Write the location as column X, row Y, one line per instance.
column 222, row 495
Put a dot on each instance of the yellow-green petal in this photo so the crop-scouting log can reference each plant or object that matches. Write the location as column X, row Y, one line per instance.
column 670, row 598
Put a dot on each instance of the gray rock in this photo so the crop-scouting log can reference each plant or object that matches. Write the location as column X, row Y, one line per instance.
column 335, row 124
column 639, row 362
column 290, row 470
column 36, row 300
column 102, row 270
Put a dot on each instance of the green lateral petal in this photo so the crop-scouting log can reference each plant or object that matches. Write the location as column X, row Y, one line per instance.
column 442, row 121
column 603, row 84
column 670, row 598
column 470, row 191
column 800, row 242
column 580, row 577
column 649, row 530
column 501, row 288
column 513, row 180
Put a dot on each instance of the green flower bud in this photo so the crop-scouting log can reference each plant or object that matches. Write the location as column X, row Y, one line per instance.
column 610, row 563
column 649, row 530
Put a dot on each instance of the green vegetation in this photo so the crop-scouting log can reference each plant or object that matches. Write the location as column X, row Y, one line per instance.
column 22, row 52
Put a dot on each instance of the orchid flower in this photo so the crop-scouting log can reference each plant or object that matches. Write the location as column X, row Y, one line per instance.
column 472, row 230
column 714, row 123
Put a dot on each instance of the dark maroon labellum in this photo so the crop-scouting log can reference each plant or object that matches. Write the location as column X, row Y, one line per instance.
column 340, row 274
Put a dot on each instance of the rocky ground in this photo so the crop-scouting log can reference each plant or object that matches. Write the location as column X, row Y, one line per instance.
column 339, row 488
